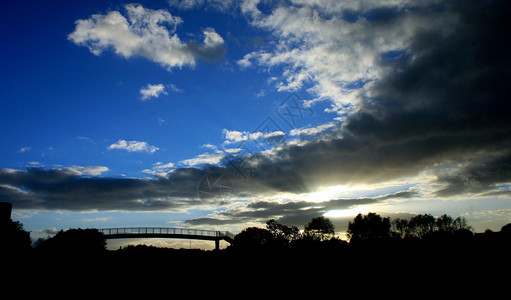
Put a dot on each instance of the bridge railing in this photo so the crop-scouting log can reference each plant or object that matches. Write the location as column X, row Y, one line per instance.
column 165, row 230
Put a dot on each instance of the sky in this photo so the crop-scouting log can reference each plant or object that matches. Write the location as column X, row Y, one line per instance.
column 222, row 115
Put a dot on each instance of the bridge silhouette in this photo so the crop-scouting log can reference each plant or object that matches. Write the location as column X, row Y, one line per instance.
column 166, row 232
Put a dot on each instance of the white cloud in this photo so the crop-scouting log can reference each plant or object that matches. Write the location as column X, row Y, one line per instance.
column 209, row 146
column 160, row 169
column 133, row 146
column 159, row 166
column 148, row 33
column 274, row 134
column 313, row 130
column 205, row 158
column 245, row 61
column 233, row 150
column 152, row 90
column 89, row 170
column 334, row 55
column 234, row 136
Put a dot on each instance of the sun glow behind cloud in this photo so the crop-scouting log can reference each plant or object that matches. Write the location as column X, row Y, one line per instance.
column 333, row 192
column 349, row 212
column 342, row 191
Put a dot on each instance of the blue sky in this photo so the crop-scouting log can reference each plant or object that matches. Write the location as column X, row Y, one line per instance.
column 113, row 113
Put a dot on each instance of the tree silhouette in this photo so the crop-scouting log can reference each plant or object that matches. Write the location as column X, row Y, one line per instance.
column 282, row 234
column 506, row 228
column 369, row 228
column 425, row 225
column 399, row 228
column 461, row 223
column 420, row 226
column 320, row 227
column 445, row 223
column 15, row 239
column 252, row 238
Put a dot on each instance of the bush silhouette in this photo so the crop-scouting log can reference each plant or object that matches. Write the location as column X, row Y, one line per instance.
column 75, row 241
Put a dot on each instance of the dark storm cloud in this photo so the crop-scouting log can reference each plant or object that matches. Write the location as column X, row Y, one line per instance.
column 450, row 94
column 445, row 99
column 60, row 189
column 480, row 176
column 448, row 83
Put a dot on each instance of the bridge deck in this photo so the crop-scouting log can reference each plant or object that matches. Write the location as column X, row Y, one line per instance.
column 165, row 232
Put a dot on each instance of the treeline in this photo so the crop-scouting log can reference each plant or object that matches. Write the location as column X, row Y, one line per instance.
column 368, row 231
column 364, row 228
column 375, row 241
column 374, row 227
column 380, row 250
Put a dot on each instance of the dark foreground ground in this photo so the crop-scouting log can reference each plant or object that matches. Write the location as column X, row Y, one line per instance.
column 464, row 264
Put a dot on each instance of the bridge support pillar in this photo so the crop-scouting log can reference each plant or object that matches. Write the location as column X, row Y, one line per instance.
column 217, row 244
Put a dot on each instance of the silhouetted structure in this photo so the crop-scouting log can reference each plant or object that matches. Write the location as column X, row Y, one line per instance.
column 5, row 212
column 170, row 233
column 14, row 239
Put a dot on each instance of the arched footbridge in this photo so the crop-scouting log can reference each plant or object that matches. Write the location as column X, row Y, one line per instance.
column 165, row 232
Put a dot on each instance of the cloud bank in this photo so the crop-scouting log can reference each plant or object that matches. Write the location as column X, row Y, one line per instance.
column 65, row 189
